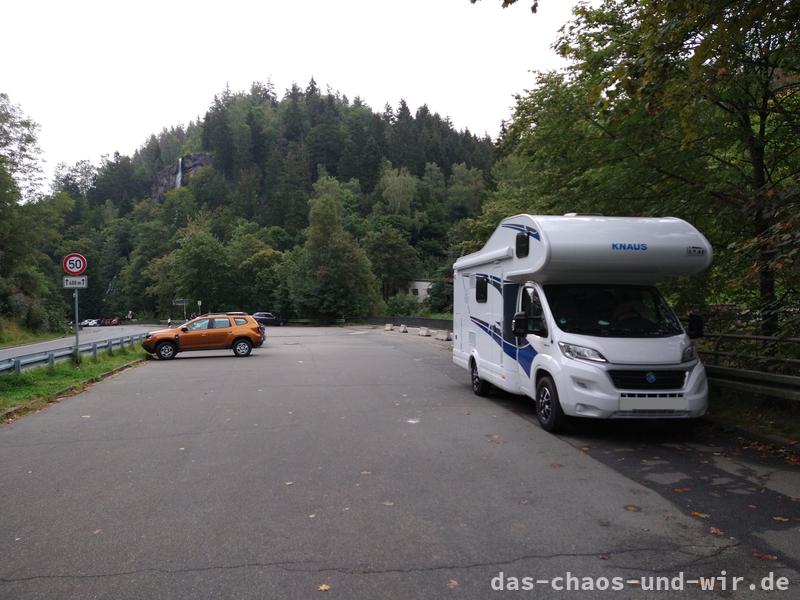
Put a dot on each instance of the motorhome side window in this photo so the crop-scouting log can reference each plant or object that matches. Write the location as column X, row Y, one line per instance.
column 532, row 307
column 523, row 245
column 481, row 289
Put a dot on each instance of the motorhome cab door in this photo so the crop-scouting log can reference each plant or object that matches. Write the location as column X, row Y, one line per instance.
column 538, row 339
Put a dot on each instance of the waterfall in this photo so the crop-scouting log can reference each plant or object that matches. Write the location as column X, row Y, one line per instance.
column 179, row 176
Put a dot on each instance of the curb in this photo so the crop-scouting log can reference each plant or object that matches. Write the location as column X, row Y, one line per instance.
column 22, row 409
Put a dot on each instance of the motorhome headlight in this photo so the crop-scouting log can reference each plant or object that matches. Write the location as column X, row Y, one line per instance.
column 580, row 352
column 689, row 353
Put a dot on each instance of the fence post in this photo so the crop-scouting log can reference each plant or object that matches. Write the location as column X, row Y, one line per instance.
column 94, row 350
column 17, row 366
column 51, row 360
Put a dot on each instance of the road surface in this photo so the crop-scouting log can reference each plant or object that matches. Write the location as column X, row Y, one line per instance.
column 359, row 460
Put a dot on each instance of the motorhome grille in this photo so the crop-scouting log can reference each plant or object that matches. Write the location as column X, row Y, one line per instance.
column 648, row 380
column 651, row 395
column 651, row 413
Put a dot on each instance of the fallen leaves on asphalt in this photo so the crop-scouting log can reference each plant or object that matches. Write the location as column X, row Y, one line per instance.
column 324, row 587
column 681, row 490
column 763, row 556
column 715, row 531
column 452, row 584
column 633, row 508
column 388, row 503
column 699, row 515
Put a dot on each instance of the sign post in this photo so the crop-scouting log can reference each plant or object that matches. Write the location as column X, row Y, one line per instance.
column 74, row 264
column 181, row 302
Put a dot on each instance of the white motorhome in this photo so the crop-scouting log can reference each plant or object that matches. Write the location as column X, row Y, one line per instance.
column 564, row 309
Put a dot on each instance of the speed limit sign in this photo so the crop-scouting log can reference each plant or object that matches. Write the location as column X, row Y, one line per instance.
column 74, row 263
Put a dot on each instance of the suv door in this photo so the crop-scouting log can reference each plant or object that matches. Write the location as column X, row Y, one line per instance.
column 196, row 337
column 219, row 335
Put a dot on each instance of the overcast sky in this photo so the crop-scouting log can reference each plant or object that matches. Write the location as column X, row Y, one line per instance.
column 102, row 76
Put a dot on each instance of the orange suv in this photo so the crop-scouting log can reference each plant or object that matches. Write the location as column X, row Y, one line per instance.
column 238, row 331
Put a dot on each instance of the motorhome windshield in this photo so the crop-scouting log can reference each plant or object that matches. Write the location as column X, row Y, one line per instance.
column 611, row 310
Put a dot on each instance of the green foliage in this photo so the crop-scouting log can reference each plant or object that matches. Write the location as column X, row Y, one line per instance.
column 202, row 269
column 330, row 277
column 19, row 149
column 440, row 294
column 394, row 261
column 676, row 109
column 402, row 305
column 236, row 234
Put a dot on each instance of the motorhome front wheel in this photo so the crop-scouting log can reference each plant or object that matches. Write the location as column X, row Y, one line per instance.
column 548, row 408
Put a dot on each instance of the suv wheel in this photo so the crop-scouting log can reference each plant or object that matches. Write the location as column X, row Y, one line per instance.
column 165, row 351
column 242, row 347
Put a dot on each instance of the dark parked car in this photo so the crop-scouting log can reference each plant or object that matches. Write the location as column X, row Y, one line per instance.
column 268, row 318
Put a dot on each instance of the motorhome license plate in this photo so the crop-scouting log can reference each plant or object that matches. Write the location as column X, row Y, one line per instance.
column 679, row 403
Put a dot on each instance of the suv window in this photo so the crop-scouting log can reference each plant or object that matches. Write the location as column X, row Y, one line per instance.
column 240, row 321
column 221, row 323
column 198, row 325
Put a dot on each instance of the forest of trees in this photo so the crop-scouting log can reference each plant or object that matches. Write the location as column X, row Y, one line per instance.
column 317, row 206
column 313, row 205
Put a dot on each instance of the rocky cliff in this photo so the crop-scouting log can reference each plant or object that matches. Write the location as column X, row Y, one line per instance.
column 179, row 173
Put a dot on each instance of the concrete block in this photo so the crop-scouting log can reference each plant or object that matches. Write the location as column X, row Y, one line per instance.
column 403, row 329
column 444, row 336
column 424, row 332
column 388, row 327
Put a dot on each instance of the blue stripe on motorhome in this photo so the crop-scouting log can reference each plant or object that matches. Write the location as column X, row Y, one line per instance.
column 522, row 354
column 496, row 282
column 525, row 358
column 486, row 328
column 524, row 229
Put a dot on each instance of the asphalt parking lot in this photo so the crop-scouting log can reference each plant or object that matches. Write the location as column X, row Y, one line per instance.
column 357, row 463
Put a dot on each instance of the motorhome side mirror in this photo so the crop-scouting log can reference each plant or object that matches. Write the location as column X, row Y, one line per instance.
column 694, row 328
column 536, row 326
column 519, row 325
column 184, row 329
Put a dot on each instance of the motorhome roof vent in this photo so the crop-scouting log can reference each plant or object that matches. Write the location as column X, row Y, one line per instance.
column 584, row 215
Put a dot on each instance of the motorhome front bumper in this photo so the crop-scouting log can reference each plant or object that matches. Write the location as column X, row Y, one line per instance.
column 628, row 391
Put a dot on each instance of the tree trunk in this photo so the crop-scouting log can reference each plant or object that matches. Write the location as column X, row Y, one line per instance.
column 766, row 276
column 766, row 279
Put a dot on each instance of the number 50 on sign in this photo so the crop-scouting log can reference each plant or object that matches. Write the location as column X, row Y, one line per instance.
column 74, row 263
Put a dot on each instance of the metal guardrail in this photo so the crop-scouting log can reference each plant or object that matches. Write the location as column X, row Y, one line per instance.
column 758, row 382
column 15, row 364
column 745, row 371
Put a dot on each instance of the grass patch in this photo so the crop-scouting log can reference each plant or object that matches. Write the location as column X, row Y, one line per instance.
column 11, row 334
column 35, row 387
column 771, row 416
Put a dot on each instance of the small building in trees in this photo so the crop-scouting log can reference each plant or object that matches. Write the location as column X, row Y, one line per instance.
column 420, row 289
